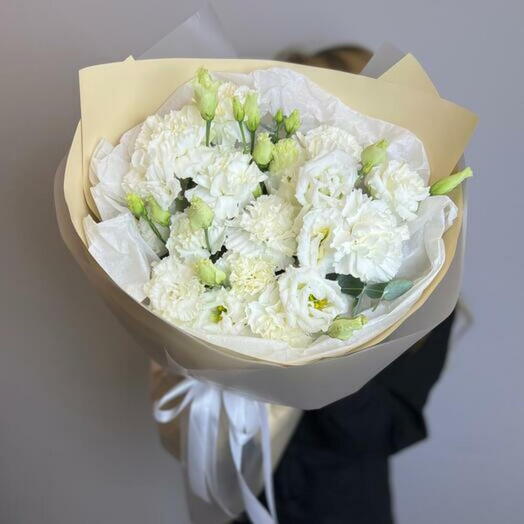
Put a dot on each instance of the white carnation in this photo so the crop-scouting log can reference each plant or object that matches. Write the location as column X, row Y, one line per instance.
column 249, row 276
column 161, row 140
column 325, row 138
column 222, row 312
column 266, row 317
column 310, row 301
column 266, row 228
column 226, row 181
column 400, row 187
column 315, row 238
column 368, row 244
column 174, row 291
column 326, row 180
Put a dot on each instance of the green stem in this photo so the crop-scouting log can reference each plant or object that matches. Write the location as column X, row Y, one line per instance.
column 244, row 145
column 252, row 134
column 208, row 244
column 154, row 228
column 277, row 133
column 208, row 129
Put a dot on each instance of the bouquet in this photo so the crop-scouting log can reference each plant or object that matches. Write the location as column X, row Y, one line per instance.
column 276, row 231
column 271, row 232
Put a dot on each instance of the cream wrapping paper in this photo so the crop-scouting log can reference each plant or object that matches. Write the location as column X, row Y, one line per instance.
column 110, row 95
column 332, row 378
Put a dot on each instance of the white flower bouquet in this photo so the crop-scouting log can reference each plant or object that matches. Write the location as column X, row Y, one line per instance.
column 265, row 216
column 278, row 232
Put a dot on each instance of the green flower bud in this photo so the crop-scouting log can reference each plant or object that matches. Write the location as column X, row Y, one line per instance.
column 200, row 214
column 206, row 94
column 446, row 184
column 136, row 205
column 343, row 328
column 157, row 214
column 238, row 109
column 252, row 112
column 373, row 155
column 208, row 273
column 279, row 116
column 292, row 122
column 258, row 191
column 263, row 151
column 285, row 154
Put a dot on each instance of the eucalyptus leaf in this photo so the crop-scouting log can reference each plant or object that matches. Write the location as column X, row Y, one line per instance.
column 396, row 288
column 350, row 285
column 375, row 290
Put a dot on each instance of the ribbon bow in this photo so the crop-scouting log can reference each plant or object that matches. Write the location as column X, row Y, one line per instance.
column 245, row 419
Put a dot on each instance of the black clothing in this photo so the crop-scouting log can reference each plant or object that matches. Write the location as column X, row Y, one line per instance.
column 335, row 469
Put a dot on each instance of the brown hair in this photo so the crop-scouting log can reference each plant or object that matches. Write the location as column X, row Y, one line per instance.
column 349, row 58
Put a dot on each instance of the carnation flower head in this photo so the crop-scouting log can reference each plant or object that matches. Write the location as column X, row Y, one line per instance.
column 267, row 318
column 265, row 228
column 326, row 138
column 174, row 291
column 399, row 186
column 250, row 275
column 368, row 244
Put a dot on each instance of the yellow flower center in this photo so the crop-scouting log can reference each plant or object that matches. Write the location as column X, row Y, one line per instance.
column 217, row 314
column 318, row 303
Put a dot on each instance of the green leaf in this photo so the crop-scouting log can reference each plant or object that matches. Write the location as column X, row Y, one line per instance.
column 350, row 285
column 375, row 290
column 396, row 288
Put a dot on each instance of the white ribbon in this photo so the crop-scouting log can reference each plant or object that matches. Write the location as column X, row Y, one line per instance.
column 245, row 419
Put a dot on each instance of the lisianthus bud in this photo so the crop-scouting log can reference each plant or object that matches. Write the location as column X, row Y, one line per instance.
column 252, row 112
column 279, row 116
column 292, row 122
column 208, row 273
column 263, row 152
column 373, row 155
column 446, row 184
column 257, row 191
column 238, row 109
column 285, row 154
column 156, row 213
column 136, row 205
column 206, row 94
column 343, row 328
column 200, row 214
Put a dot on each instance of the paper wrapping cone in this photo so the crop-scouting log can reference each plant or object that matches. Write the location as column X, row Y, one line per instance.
column 118, row 96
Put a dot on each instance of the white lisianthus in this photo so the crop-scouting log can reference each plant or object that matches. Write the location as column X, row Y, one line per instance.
column 326, row 180
column 249, row 276
column 225, row 181
column 325, row 138
column 174, row 291
column 368, row 244
column 222, row 312
column 266, row 228
column 315, row 238
column 310, row 301
column 400, row 187
column 267, row 318
column 161, row 140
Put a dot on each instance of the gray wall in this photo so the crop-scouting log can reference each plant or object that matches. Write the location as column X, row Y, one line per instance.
column 77, row 444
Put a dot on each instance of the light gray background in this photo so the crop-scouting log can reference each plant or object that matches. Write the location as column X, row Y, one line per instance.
column 77, row 444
